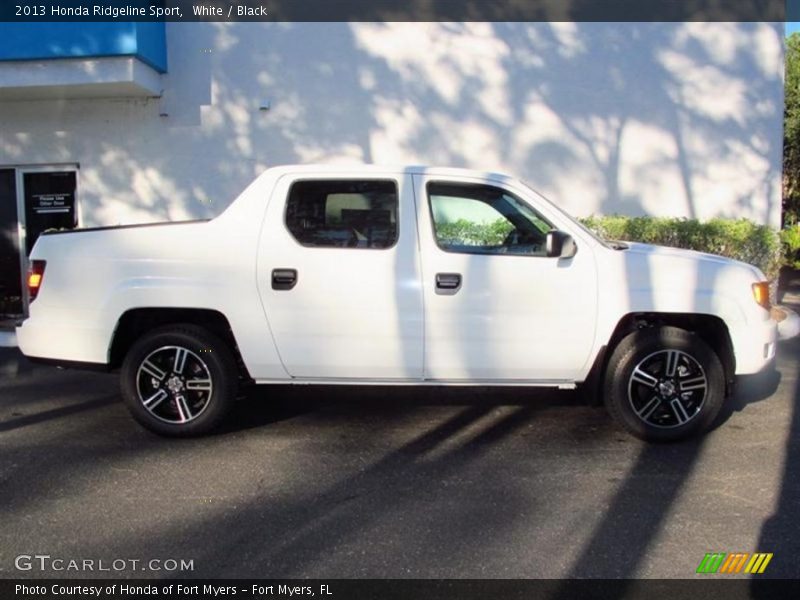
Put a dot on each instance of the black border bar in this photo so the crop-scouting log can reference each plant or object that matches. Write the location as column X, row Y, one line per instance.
column 704, row 587
column 399, row 10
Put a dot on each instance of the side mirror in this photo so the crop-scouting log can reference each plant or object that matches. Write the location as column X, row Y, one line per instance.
column 560, row 245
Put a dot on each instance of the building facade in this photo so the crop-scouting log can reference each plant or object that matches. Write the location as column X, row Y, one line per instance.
column 117, row 123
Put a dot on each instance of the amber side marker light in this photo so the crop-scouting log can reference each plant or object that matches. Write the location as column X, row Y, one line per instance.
column 761, row 293
column 35, row 276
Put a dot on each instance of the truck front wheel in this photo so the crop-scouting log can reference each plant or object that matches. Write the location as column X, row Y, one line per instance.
column 179, row 380
column 664, row 384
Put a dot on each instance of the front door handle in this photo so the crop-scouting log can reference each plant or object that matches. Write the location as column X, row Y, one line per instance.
column 284, row 279
column 448, row 284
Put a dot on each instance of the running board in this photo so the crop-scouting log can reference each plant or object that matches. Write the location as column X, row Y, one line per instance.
column 558, row 384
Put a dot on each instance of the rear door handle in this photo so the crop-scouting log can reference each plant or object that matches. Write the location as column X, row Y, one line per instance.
column 448, row 284
column 284, row 279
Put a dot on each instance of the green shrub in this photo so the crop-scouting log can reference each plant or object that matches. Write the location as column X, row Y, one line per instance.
column 741, row 239
column 790, row 237
column 467, row 233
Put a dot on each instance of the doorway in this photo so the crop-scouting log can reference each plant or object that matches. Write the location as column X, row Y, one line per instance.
column 33, row 199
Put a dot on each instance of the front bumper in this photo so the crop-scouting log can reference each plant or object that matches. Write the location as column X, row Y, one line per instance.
column 754, row 346
column 789, row 325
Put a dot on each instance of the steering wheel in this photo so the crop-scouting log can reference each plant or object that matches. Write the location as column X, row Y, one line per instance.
column 512, row 238
column 527, row 242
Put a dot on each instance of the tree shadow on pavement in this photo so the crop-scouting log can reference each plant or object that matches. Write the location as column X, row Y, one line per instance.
column 336, row 516
column 780, row 534
column 636, row 514
column 20, row 420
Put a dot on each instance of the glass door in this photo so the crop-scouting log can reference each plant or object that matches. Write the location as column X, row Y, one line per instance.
column 49, row 203
column 32, row 200
column 11, row 302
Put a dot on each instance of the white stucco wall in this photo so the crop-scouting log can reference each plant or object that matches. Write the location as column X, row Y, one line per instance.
column 664, row 119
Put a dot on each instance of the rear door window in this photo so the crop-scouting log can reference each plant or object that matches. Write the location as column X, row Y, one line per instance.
column 343, row 213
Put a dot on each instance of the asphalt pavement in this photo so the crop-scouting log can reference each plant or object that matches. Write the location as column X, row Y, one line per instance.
column 391, row 482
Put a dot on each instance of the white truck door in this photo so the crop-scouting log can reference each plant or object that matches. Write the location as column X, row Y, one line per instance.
column 338, row 273
column 496, row 307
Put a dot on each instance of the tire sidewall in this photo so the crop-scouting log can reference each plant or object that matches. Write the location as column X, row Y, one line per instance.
column 218, row 361
column 641, row 344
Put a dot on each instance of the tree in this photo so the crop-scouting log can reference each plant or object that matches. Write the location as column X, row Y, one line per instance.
column 791, row 133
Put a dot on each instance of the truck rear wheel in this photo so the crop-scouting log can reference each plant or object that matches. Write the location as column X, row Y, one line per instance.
column 179, row 380
column 664, row 384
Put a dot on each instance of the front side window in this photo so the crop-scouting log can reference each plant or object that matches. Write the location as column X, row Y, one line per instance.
column 343, row 213
column 483, row 219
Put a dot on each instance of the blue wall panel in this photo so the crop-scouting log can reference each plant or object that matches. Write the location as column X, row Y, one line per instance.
column 34, row 41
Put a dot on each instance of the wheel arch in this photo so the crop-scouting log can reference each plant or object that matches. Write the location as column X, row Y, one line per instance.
column 710, row 328
column 136, row 322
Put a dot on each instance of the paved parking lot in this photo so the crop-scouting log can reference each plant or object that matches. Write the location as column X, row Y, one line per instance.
column 343, row 482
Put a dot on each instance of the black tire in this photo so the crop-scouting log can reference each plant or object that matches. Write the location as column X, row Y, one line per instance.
column 664, row 384
column 199, row 382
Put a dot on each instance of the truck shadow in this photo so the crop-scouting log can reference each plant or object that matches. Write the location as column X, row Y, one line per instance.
column 749, row 389
column 259, row 406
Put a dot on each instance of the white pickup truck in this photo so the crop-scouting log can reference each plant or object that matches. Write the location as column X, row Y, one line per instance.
column 369, row 275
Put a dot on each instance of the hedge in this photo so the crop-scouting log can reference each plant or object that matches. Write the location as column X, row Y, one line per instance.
column 790, row 237
column 741, row 239
column 468, row 233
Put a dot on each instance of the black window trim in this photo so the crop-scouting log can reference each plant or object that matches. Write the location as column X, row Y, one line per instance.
column 430, row 182
column 393, row 180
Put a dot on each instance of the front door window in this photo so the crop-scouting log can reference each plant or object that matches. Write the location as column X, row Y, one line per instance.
column 482, row 219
